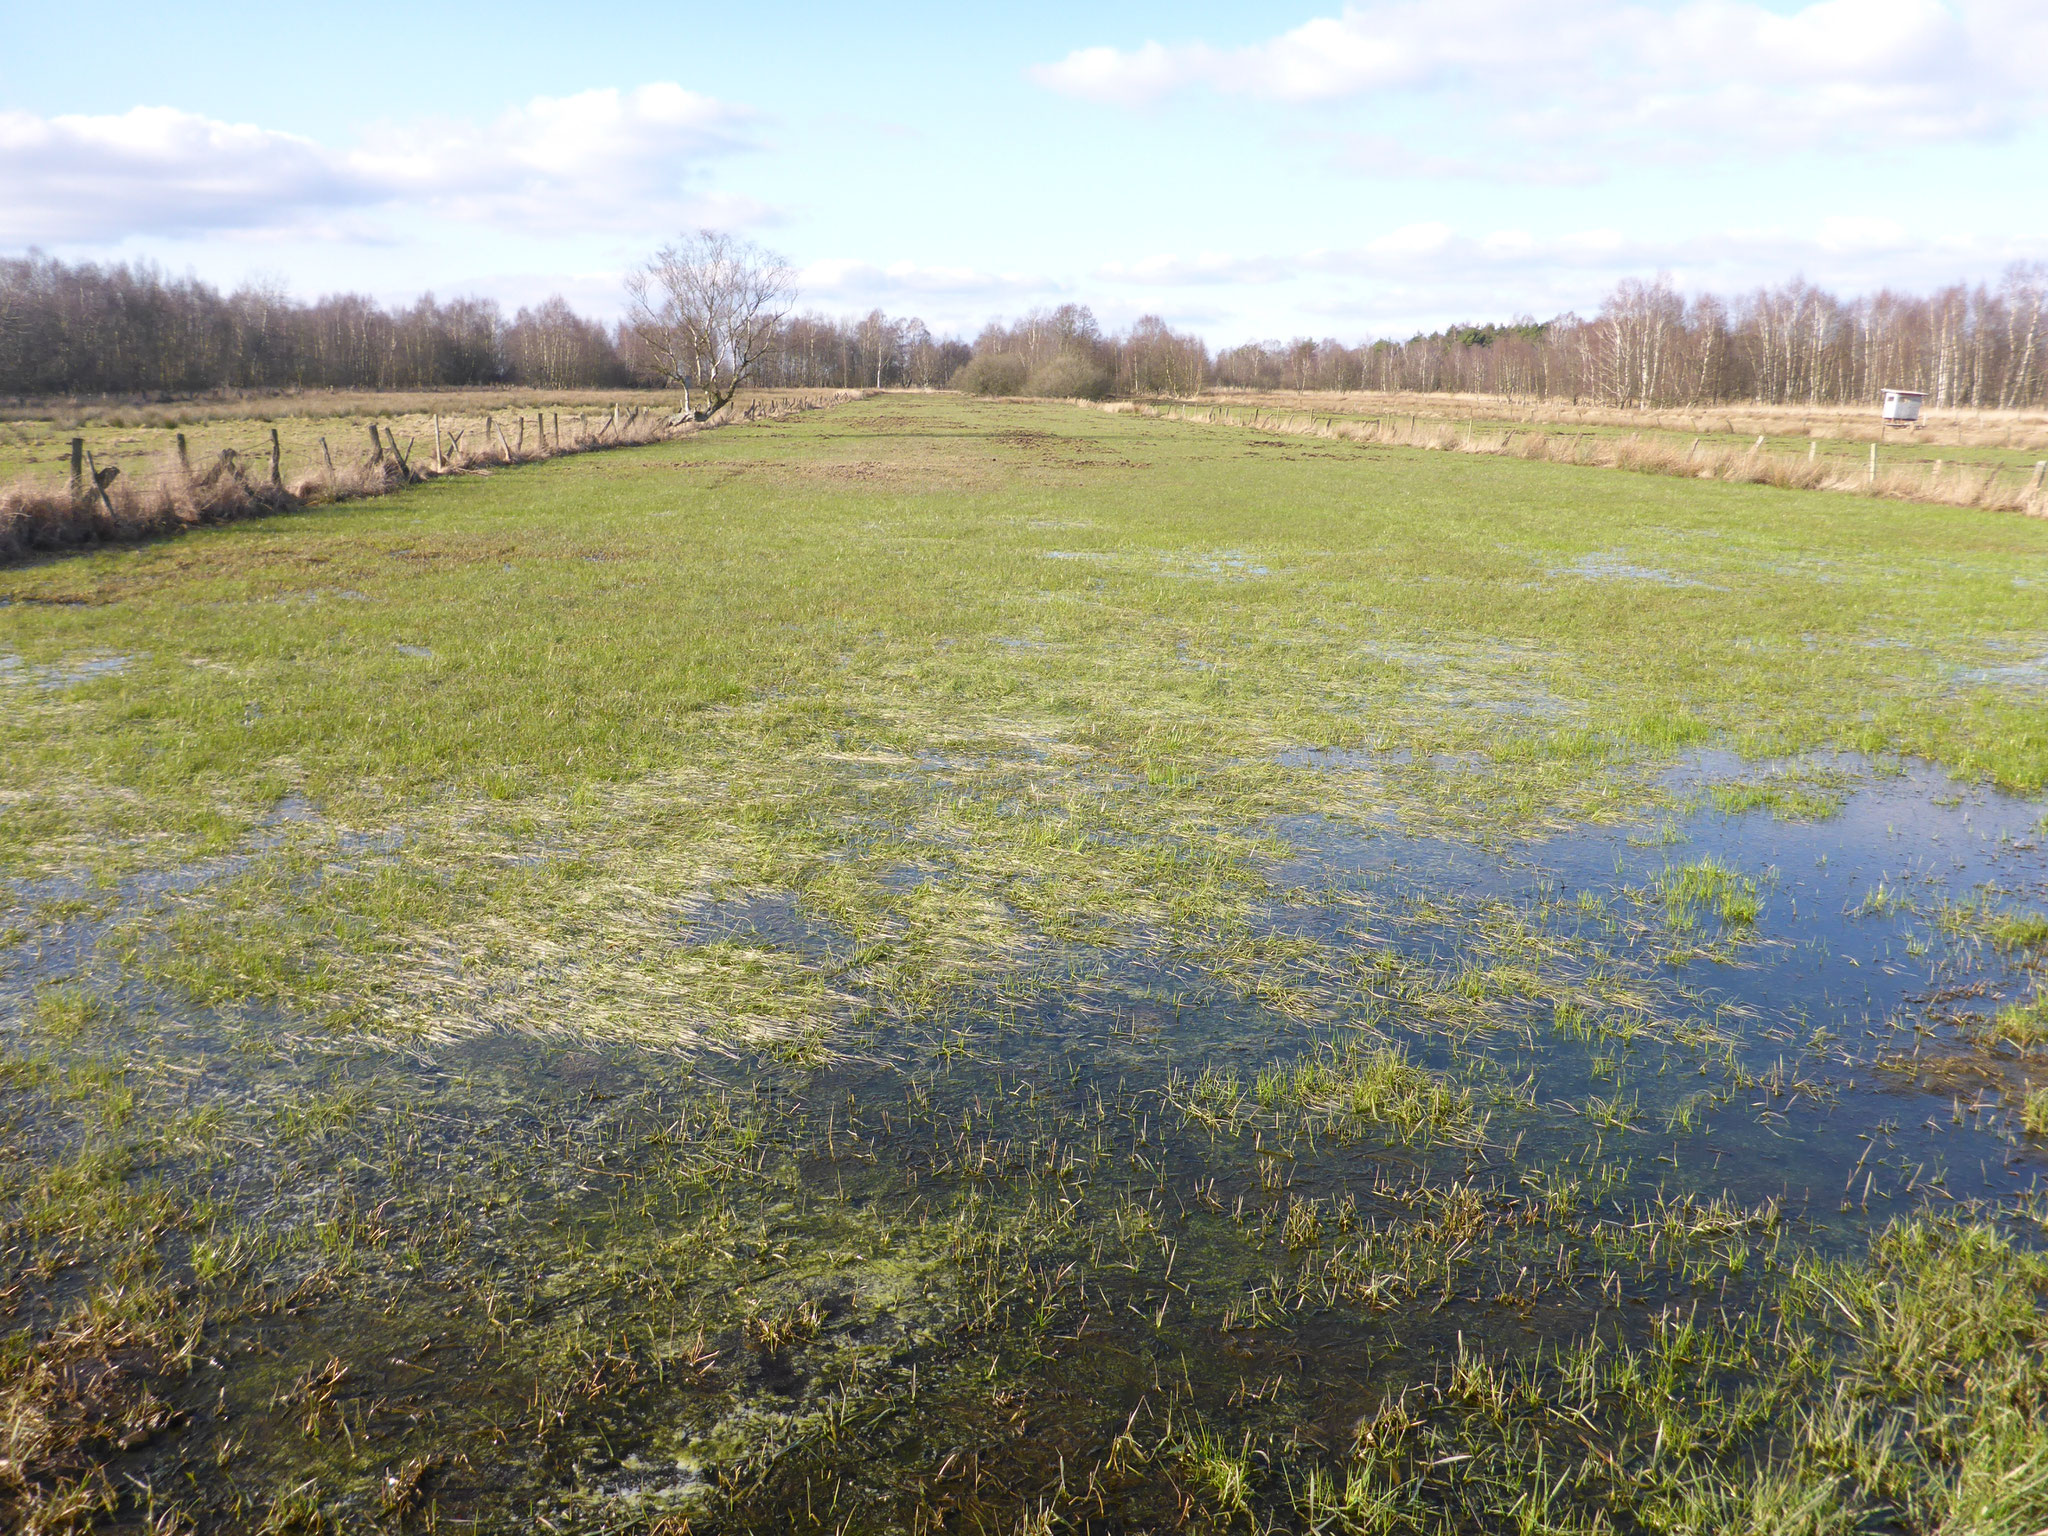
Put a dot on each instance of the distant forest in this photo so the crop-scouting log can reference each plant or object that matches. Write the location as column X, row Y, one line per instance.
column 72, row 330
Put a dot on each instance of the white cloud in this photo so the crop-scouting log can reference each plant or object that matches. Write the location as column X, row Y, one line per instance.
column 603, row 160
column 1202, row 269
column 157, row 170
column 1706, row 74
column 599, row 160
column 1387, row 158
column 840, row 280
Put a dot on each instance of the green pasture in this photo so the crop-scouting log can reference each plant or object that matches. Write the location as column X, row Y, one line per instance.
column 916, row 572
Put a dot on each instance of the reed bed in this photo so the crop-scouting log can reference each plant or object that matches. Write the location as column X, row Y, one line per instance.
column 1991, row 487
column 107, row 507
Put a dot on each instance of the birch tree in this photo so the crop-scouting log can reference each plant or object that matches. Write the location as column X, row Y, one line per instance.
column 707, row 310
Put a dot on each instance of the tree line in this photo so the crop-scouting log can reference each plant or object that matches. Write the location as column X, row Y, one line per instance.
column 89, row 329
column 1795, row 344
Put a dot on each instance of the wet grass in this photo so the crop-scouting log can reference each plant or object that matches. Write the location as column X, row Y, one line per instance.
column 945, row 966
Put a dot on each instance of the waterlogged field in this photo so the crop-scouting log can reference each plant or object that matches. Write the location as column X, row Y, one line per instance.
column 960, row 967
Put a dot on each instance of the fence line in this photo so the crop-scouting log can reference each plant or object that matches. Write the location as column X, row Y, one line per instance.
column 102, row 508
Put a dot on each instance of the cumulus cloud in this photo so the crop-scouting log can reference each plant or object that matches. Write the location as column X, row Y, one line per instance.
column 1705, row 72
column 599, row 160
column 157, row 170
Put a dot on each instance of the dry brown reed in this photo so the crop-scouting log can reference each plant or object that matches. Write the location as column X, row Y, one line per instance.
column 2020, row 430
column 71, row 413
column 1995, row 488
column 40, row 517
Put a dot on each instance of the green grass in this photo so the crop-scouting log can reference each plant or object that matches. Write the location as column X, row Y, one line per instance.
column 1788, row 801
column 2019, row 930
column 1379, row 1085
column 2034, row 1112
column 2024, row 1023
column 705, row 659
column 1707, row 886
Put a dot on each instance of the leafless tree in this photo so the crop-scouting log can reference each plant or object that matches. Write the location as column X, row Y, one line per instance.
column 86, row 329
column 881, row 343
column 708, row 309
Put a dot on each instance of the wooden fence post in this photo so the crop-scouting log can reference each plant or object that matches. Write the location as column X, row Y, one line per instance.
column 437, row 439
column 276, row 458
column 376, row 445
column 78, row 469
column 184, row 460
column 329, row 457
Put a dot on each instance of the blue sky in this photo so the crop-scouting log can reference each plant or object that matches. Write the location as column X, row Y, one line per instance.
column 1263, row 171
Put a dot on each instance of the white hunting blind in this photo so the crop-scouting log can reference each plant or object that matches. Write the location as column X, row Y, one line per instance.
column 1902, row 405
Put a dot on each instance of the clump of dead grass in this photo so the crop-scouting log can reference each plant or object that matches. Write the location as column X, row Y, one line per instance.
column 37, row 517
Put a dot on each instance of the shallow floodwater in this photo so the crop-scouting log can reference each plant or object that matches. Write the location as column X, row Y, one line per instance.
column 1019, row 1244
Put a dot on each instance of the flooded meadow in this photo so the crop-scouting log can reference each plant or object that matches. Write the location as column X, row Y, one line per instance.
column 1161, row 1039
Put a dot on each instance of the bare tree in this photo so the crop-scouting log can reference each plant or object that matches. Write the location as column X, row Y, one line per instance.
column 880, row 340
column 708, row 309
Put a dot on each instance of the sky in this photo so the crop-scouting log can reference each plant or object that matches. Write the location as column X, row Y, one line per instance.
column 1249, row 172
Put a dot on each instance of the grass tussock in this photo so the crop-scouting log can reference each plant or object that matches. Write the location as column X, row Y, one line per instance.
column 2024, row 1024
column 1378, row 1085
column 2034, row 1112
column 2019, row 930
column 1688, row 892
column 36, row 518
